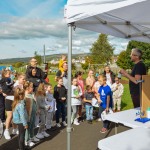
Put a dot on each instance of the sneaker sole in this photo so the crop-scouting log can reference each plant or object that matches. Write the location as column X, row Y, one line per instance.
column 40, row 138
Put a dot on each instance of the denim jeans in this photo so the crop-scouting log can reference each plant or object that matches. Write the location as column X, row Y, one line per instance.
column 105, row 123
column 89, row 112
column 60, row 110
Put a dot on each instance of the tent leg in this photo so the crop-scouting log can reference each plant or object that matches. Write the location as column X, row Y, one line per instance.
column 69, row 88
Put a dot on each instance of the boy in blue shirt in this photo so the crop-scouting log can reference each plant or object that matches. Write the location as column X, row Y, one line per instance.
column 105, row 101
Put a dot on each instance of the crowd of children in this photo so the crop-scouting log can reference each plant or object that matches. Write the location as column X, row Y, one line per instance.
column 23, row 105
column 31, row 103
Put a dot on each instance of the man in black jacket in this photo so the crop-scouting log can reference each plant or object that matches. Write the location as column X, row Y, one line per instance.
column 39, row 74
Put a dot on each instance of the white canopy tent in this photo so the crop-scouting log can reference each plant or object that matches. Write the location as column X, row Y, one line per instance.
column 128, row 19
column 120, row 18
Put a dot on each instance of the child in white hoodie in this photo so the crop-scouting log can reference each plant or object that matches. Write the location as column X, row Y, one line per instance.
column 117, row 89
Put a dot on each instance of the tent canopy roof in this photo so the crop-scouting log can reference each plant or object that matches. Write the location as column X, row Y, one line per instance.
column 121, row 18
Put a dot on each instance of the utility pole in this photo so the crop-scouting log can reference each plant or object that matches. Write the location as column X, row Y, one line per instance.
column 44, row 54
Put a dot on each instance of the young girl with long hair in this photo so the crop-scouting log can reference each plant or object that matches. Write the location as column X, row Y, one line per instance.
column 20, row 116
column 42, row 110
column 18, row 83
column 31, row 108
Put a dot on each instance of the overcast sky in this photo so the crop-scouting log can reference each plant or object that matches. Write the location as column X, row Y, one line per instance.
column 26, row 25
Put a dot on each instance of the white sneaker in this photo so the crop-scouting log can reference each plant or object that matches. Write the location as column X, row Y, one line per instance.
column 64, row 123
column 7, row 135
column 38, row 126
column 40, row 136
column 30, row 143
column 34, row 139
column 15, row 131
column 26, row 143
column 76, row 123
column 45, row 134
column 99, row 119
column 58, row 125
column 48, row 127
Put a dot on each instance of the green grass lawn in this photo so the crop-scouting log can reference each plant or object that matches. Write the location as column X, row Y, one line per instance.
column 126, row 99
column 52, row 79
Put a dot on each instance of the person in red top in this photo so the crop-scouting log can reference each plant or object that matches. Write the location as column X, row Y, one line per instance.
column 47, row 79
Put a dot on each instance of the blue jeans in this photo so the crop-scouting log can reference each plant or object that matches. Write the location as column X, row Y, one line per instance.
column 105, row 123
column 89, row 112
column 60, row 110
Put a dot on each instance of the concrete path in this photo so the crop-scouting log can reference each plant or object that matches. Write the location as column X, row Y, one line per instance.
column 84, row 137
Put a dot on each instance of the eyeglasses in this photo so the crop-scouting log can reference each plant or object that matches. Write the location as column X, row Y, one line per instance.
column 134, row 55
column 116, row 80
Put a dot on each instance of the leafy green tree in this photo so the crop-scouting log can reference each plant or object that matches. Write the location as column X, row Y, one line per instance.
column 122, row 60
column 18, row 64
column 38, row 58
column 85, row 66
column 73, row 66
column 101, row 51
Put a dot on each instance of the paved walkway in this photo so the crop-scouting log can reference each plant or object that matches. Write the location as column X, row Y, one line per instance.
column 84, row 137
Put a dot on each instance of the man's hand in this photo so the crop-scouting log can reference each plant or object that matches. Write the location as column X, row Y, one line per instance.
column 123, row 72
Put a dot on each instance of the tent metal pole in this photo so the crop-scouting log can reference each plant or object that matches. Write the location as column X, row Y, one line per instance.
column 69, row 87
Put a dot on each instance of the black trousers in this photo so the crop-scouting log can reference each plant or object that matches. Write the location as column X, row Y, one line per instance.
column 2, row 114
column 21, row 136
column 135, row 100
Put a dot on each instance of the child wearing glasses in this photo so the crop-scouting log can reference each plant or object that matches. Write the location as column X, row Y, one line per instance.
column 117, row 89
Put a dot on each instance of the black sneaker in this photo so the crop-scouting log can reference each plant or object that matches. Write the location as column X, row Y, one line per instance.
column 89, row 121
column 80, row 119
